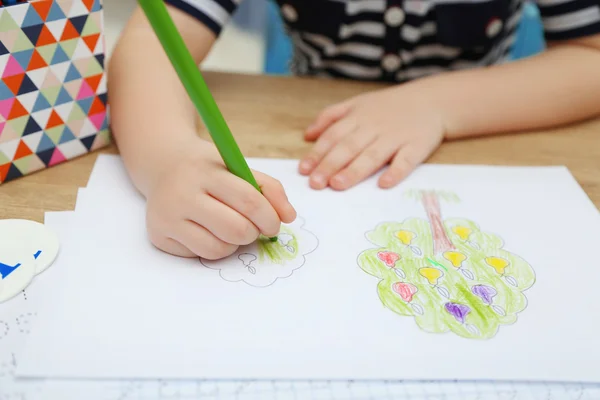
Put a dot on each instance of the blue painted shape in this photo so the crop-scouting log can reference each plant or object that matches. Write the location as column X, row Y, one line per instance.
column 45, row 144
column 37, row 254
column 63, row 97
column 97, row 6
column 72, row 74
column 23, row 58
column 6, row 270
column 59, row 56
column 67, row 136
column 41, row 103
column 86, row 104
column 56, row 13
column 5, row 92
column 31, row 18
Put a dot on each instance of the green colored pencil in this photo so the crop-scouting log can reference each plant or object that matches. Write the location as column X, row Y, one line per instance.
column 157, row 14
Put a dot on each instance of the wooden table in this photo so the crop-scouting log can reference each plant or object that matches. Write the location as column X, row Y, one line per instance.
column 268, row 114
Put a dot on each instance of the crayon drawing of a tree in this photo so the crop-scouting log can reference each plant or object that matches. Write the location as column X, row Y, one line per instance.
column 447, row 273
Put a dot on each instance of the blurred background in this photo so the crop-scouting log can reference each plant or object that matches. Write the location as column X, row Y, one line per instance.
column 255, row 41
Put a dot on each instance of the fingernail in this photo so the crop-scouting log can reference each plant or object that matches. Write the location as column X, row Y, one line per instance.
column 340, row 180
column 318, row 180
column 289, row 204
column 385, row 181
column 293, row 211
column 305, row 165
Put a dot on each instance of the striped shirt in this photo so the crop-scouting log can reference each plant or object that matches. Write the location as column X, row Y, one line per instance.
column 400, row 40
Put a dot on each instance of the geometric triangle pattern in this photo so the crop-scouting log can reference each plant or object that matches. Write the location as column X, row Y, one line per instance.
column 23, row 57
column 41, row 104
column 53, row 95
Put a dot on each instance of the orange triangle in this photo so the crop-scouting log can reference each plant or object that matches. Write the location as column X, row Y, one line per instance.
column 94, row 82
column 54, row 120
column 46, row 37
column 88, row 4
column 14, row 82
column 70, row 32
column 91, row 41
column 42, row 8
column 36, row 61
column 17, row 110
column 97, row 107
column 22, row 151
column 4, row 171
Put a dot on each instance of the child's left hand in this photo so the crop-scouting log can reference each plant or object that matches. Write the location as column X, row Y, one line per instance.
column 357, row 137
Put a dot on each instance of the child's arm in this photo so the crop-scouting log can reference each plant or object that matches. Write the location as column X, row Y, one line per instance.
column 195, row 206
column 559, row 86
column 152, row 117
column 403, row 125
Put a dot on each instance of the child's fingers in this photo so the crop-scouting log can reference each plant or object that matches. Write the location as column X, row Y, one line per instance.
column 403, row 163
column 339, row 157
column 325, row 143
column 222, row 221
column 274, row 192
column 246, row 200
column 366, row 164
column 173, row 247
column 327, row 117
column 201, row 242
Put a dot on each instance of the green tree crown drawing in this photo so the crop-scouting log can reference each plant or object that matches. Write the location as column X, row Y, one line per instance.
column 447, row 273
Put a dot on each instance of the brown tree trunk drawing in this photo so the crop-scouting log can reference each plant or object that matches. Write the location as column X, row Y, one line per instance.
column 441, row 242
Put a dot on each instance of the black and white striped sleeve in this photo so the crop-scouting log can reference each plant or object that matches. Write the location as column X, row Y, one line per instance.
column 569, row 19
column 212, row 13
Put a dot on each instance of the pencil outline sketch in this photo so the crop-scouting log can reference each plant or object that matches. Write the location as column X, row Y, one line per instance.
column 448, row 274
column 295, row 243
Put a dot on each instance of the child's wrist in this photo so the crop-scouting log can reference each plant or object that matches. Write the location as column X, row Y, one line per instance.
column 148, row 164
column 431, row 94
column 446, row 95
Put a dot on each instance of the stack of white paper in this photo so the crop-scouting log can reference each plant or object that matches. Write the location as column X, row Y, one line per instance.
column 462, row 282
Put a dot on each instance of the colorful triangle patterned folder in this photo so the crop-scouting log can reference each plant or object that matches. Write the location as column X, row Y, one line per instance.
column 53, row 97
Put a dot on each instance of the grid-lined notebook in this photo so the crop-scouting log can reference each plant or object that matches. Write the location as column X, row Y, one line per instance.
column 300, row 390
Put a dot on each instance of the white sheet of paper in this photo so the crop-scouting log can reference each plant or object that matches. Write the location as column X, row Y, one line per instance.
column 326, row 321
column 15, row 323
column 17, row 316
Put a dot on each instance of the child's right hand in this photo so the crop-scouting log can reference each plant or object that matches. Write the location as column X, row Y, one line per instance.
column 197, row 208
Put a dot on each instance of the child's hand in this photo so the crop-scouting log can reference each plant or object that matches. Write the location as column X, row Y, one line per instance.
column 355, row 138
column 197, row 208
